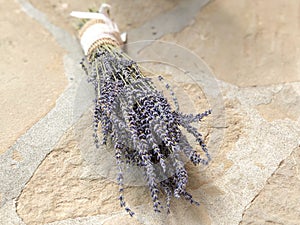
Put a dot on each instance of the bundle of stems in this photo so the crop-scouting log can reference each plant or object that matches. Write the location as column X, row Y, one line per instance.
column 140, row 123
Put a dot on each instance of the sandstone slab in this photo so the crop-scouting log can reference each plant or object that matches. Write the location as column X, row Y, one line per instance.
column 245, row 43
column 258, row 155
column 32, row 73
column 278, row 202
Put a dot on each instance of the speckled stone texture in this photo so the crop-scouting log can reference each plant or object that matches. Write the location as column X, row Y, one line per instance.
column 22, row 43
column 51, row 174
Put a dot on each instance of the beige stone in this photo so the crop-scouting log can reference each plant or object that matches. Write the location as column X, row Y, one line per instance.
column 247, row 43
column 32, row 74
column 184, row 213
column 59, row 190
column 124, row 220
column 278, row 202
column 233, row 130
column 284, row 105
column 17, row 156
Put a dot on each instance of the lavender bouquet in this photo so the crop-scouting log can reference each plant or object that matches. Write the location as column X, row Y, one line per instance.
column 135, row 117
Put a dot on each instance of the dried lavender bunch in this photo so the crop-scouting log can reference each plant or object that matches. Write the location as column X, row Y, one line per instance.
column 141, row 125
column 135, row 117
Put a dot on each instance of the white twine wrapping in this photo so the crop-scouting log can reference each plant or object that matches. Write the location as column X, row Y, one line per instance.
column 97, row 32
column 103, row 28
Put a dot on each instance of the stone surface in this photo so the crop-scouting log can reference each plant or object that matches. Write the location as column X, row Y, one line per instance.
column 254, row 157
column 253, row 133
column 124, row 219
column 237, row 175
column 62, row 187
column 32, row 73
column 244, row 43
column 8, row 215
column 278, row 202
column 284, row 104
column 58, row 11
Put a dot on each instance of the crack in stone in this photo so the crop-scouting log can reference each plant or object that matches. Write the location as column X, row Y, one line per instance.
column 29, row 179
column 62, row 37
column 262, row 189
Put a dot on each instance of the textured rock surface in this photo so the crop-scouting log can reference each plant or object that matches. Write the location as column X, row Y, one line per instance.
column 245, row 43
column 59, row 11
column 278, row 202
column 254, row 175
column 61, row 189
column 32, row 73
